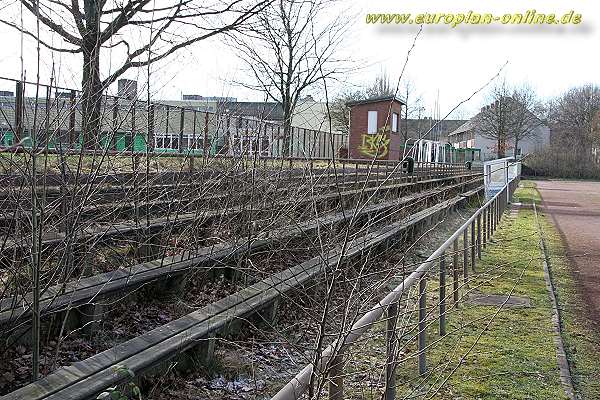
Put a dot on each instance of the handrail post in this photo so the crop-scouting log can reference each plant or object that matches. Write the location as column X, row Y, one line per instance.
column 455, row 272
column 390, row 369
column 465, row 255
column 479, row 236
column 495, row 214
column 336, row 379
column 484, row 223
column 473, row 245
column 488, row 230
column 492, row 218
column 422, row 324
column 443, row 294
column 500, row 206
column 499, row 210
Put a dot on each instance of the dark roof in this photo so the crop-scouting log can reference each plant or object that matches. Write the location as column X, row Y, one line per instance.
column 376, row 100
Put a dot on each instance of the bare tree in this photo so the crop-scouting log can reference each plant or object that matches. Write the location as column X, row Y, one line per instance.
column 526, row 109
column 382, row 86
column 413, row 107
column 290, row 50
column 494, row 120
column 573, row 117
column 96, row 26
column 510, row 117
column 340, row 112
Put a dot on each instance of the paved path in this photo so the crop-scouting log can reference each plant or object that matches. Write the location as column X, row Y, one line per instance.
column 575, row 208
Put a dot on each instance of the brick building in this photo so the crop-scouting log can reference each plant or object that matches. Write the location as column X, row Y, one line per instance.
column 375, row 128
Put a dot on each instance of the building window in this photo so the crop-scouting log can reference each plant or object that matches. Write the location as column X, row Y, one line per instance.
column 372, row 122
column 394, row 122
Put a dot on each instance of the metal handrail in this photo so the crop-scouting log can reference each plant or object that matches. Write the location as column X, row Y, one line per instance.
column 491, row 212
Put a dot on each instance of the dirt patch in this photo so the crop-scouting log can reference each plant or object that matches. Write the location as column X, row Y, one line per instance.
column 579, row 230
column 499, row 300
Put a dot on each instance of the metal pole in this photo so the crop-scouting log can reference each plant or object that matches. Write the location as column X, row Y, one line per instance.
column 479, row 236
column 497, row 213
column 488, row 230
column 181, row 124
column 492, row 218
column 150, row 138
column 390, row 369
column 443, row 294
column 484, row 222
column 72, row 106
column 473, row 245
column 455, row 271
column 19, row 97
column 495, row 205
column 422, row 315
column 465, row 255
column 498, row 206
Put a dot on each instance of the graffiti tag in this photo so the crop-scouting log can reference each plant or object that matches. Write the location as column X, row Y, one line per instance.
column 375, row 146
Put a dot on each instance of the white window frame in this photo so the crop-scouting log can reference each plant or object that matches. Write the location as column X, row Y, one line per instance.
column 372, row 122
column 395, row 122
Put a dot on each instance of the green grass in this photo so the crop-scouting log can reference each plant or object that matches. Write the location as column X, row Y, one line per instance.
column 20, row 163
column 527, row 193
column 488, row 353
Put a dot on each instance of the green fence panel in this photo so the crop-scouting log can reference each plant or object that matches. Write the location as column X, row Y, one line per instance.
column 120, row 142
column 139, row 142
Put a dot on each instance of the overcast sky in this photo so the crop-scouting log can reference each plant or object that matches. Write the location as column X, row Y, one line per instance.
column 451, row 62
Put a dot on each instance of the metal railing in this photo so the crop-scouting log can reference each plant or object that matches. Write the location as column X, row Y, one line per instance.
column 133, row 127
column 475, row 233
column 56, row 115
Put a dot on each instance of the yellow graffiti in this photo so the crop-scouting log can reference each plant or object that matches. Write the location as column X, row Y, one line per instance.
column 376, row 146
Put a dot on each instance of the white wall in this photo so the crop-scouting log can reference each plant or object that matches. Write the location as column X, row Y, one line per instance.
column 534, row 143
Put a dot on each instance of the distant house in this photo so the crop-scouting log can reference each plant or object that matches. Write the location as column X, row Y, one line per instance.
column 468, row 135
column 194, row 123
column 262, row 110
column 311, row 114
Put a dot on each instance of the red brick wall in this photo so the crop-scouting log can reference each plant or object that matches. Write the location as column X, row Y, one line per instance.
column 358, row 128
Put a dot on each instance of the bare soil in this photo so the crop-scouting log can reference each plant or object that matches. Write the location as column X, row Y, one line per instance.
column 575, row 210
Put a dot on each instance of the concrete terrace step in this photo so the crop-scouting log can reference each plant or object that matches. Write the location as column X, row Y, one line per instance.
column 84, row 290
column 86, row 379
